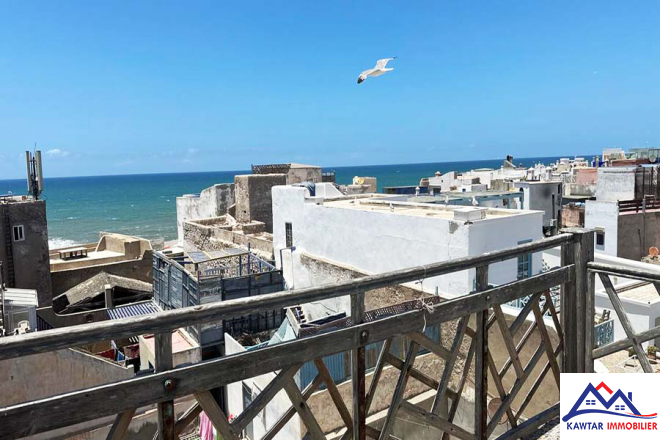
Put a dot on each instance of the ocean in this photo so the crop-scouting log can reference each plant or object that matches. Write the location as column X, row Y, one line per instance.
column 78, row 208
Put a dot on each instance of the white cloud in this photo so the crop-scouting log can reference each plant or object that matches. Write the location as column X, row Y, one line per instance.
column 56, row 152
column 192, row 151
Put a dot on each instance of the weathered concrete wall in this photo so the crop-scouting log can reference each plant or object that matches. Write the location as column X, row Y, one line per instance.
column 586, row 176
column 321, row 271
column 302, row 173
column 197, row 236
column 211, row 202
column 31, row 263
column 603, row 215
column 48, row 374
column 614, row 184
column 572, row 216
column 253, row 197
column 539, row 196
column 575, row 189
column 131, row 247
column 140, row 269
column 637, row 233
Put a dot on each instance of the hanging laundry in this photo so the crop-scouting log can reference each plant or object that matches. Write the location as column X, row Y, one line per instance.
column 205, row 427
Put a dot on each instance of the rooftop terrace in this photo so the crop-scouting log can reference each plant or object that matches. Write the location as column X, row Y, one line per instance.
column 386, row 205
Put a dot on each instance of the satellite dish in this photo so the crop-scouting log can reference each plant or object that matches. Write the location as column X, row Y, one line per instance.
column 653, row 156
column 653, row 251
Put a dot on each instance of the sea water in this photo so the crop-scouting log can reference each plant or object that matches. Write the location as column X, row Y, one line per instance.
column 78, row 208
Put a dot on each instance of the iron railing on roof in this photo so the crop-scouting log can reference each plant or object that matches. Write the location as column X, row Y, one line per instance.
column 483, row 307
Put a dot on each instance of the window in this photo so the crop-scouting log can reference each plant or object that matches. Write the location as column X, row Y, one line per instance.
column 600, row 238
column 524, row 263
column 620, row 407
column 19, row 234
column 288, row 230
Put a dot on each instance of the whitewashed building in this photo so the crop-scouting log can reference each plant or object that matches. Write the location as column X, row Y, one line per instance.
column 626, row 212
column 374, row 235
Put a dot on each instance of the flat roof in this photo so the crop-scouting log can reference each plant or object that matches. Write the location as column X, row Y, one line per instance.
column 453, row 196
column 382, row 204
column 646, row 293
column 180, row 342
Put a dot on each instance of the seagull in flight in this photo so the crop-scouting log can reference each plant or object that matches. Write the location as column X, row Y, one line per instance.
column 376, row 71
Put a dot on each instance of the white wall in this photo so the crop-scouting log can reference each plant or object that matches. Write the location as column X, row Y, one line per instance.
column 604, row 215
column 443, row 182
column 493, row 234
column 642, row 316
column 273, row 411
column 617, row 183
column 379, row 241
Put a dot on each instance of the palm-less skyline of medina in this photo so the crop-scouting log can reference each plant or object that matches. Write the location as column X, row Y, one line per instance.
column 209, row 229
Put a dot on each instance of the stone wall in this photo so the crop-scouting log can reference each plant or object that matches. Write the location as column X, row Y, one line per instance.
column 254, row 199
column 323, row 271
column 208, row 237
column 211, row 202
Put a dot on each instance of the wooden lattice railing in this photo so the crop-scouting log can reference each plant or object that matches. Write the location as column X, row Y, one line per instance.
column 483, row 307
column 633, row 340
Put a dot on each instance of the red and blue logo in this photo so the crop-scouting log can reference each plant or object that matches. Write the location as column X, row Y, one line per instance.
column 609, row 405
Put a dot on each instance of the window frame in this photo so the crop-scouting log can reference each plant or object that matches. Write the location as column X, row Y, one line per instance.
column 524, row 262
column 288, row 234
column 21, row 230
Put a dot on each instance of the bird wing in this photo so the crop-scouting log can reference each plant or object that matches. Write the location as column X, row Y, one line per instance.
column 382, row 63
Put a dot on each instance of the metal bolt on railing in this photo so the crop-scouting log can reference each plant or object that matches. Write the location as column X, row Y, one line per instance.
column 169, row 384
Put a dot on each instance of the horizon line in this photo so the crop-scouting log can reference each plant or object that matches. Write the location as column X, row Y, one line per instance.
column 322, row 167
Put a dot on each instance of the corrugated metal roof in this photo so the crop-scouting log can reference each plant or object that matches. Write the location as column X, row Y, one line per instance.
column 138, row 309
column 22, row 297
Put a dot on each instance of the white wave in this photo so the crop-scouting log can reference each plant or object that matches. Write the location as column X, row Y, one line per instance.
column 58, row 243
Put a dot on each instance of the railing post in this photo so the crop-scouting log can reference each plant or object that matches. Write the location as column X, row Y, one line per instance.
column 577, row 302
column 163, row 352
column 358, row 367
column 481, row 363
column 591, row 317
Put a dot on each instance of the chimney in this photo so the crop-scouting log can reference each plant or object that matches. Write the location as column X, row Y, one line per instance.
column 109, row 300
column 630, row 395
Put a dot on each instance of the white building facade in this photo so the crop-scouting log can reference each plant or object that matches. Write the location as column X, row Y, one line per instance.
column 375, row 236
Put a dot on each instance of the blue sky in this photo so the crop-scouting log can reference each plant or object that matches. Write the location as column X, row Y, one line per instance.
column 143, row 87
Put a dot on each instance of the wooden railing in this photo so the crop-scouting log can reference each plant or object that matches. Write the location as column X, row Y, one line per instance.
column 633, row 340
column 482, row 306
